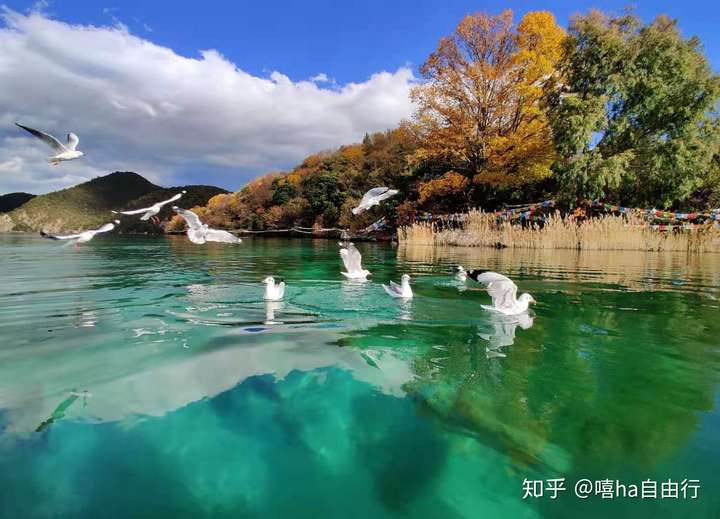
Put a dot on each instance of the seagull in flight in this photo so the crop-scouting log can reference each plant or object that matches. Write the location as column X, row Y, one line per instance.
column 67, row 151
column 402, row 290
column 273, row 292
column 503, row 292
column 153, row 210
column 352, row 259
column 374, row 197
column 200, row 233
column 460, row 273
column 82, row 237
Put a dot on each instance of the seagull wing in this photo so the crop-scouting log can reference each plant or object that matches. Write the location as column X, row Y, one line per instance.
column 49, row 139
column 196, row 235
column 393, row 290
column 134, row 211
column 387, row 194
column 172, row 199
column 72, row 141
column 60, row 237
column 105, row 228
column 345, row 259
column 354, row 263
column 192, row 220
column 281, row 289
column 221, row 236
column 373, row 193
column 502, row 290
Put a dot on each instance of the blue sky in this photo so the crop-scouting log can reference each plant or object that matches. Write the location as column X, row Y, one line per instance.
column 348, row 41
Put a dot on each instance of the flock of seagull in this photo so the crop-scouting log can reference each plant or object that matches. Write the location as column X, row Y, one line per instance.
column 502, row 290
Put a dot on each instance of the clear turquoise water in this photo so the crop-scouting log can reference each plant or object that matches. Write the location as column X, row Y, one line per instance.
column 341, row 402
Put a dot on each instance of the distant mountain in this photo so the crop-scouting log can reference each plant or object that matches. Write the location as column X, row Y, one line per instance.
column 89, row 204
column 13, row 201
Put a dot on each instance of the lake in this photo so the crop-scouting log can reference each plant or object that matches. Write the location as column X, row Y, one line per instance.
column 146, row 377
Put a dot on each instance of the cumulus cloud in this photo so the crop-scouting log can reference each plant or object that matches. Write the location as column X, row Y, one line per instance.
column 140, row 106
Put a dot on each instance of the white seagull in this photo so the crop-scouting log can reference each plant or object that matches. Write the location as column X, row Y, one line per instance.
column 62, row 151
column 153, row 210
column 352, row 259
column 402, row 290
column 273, row 292
column 82, row 237
column 460, row 273
column 200, row 233
column 503, row 293
column 374, row 197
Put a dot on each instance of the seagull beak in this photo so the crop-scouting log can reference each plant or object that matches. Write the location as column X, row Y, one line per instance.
column 533, row 301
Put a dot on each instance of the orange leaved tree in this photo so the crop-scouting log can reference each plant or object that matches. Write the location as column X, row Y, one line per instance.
column 479, row 110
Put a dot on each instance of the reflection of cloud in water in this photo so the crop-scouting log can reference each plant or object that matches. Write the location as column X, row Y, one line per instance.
column 131, row 382
column 502, row 331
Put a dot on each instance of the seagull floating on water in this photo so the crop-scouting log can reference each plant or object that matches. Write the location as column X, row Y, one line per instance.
column 374, row 197
column 200, row 233
column 503, row 292
column 273, row 292
column 460, row 273
column 153, row 210
column 402, row 290
column 82, row 237
column 66, row 151
column 353, row 262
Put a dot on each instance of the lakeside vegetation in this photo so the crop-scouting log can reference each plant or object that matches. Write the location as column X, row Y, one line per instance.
column 600, row 233
column 610, row 109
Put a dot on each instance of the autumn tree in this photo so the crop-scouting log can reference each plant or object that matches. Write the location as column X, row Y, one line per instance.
column 480, row 110
column 631, row 117
column 445, row 193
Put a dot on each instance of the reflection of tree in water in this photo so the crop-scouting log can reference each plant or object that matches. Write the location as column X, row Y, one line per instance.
column 59, row 412
column 602, row 397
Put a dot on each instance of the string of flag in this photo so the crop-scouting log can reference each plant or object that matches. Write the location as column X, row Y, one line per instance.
column 524, row 212
column 713, row 214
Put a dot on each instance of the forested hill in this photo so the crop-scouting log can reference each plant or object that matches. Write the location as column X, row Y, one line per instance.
column 88, row 205
column 12, row 201
column 609, row 108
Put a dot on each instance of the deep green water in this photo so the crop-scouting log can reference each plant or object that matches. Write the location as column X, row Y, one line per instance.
column 339, row 401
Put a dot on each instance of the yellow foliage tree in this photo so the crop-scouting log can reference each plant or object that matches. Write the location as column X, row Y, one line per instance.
column 479, row 111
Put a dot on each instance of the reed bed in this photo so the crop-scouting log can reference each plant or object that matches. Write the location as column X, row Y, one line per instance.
column 481, row 229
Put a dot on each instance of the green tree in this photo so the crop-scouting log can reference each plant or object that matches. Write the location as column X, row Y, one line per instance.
column 325, row 196
column 631, row 113
column 283, row 191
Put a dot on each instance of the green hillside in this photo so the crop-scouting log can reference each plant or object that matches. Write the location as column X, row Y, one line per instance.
column 89, row 204
column 12, row 201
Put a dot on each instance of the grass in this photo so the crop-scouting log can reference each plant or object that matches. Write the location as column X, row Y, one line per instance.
column 481, row 229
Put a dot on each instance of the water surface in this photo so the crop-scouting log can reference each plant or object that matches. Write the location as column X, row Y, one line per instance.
column 146, row 377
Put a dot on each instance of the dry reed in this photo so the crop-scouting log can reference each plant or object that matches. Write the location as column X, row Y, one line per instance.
column 481, row 229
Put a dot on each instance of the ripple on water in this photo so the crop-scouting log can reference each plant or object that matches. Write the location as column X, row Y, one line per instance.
column 429, row 407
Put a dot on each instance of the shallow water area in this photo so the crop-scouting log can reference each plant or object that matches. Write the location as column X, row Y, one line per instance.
column 146, row 376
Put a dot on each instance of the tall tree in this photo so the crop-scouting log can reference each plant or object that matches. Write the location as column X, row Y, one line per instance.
column 631, row 115
column 479, row 110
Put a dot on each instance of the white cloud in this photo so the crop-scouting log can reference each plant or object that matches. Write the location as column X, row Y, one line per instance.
column 140, row 106
column 320, row 78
